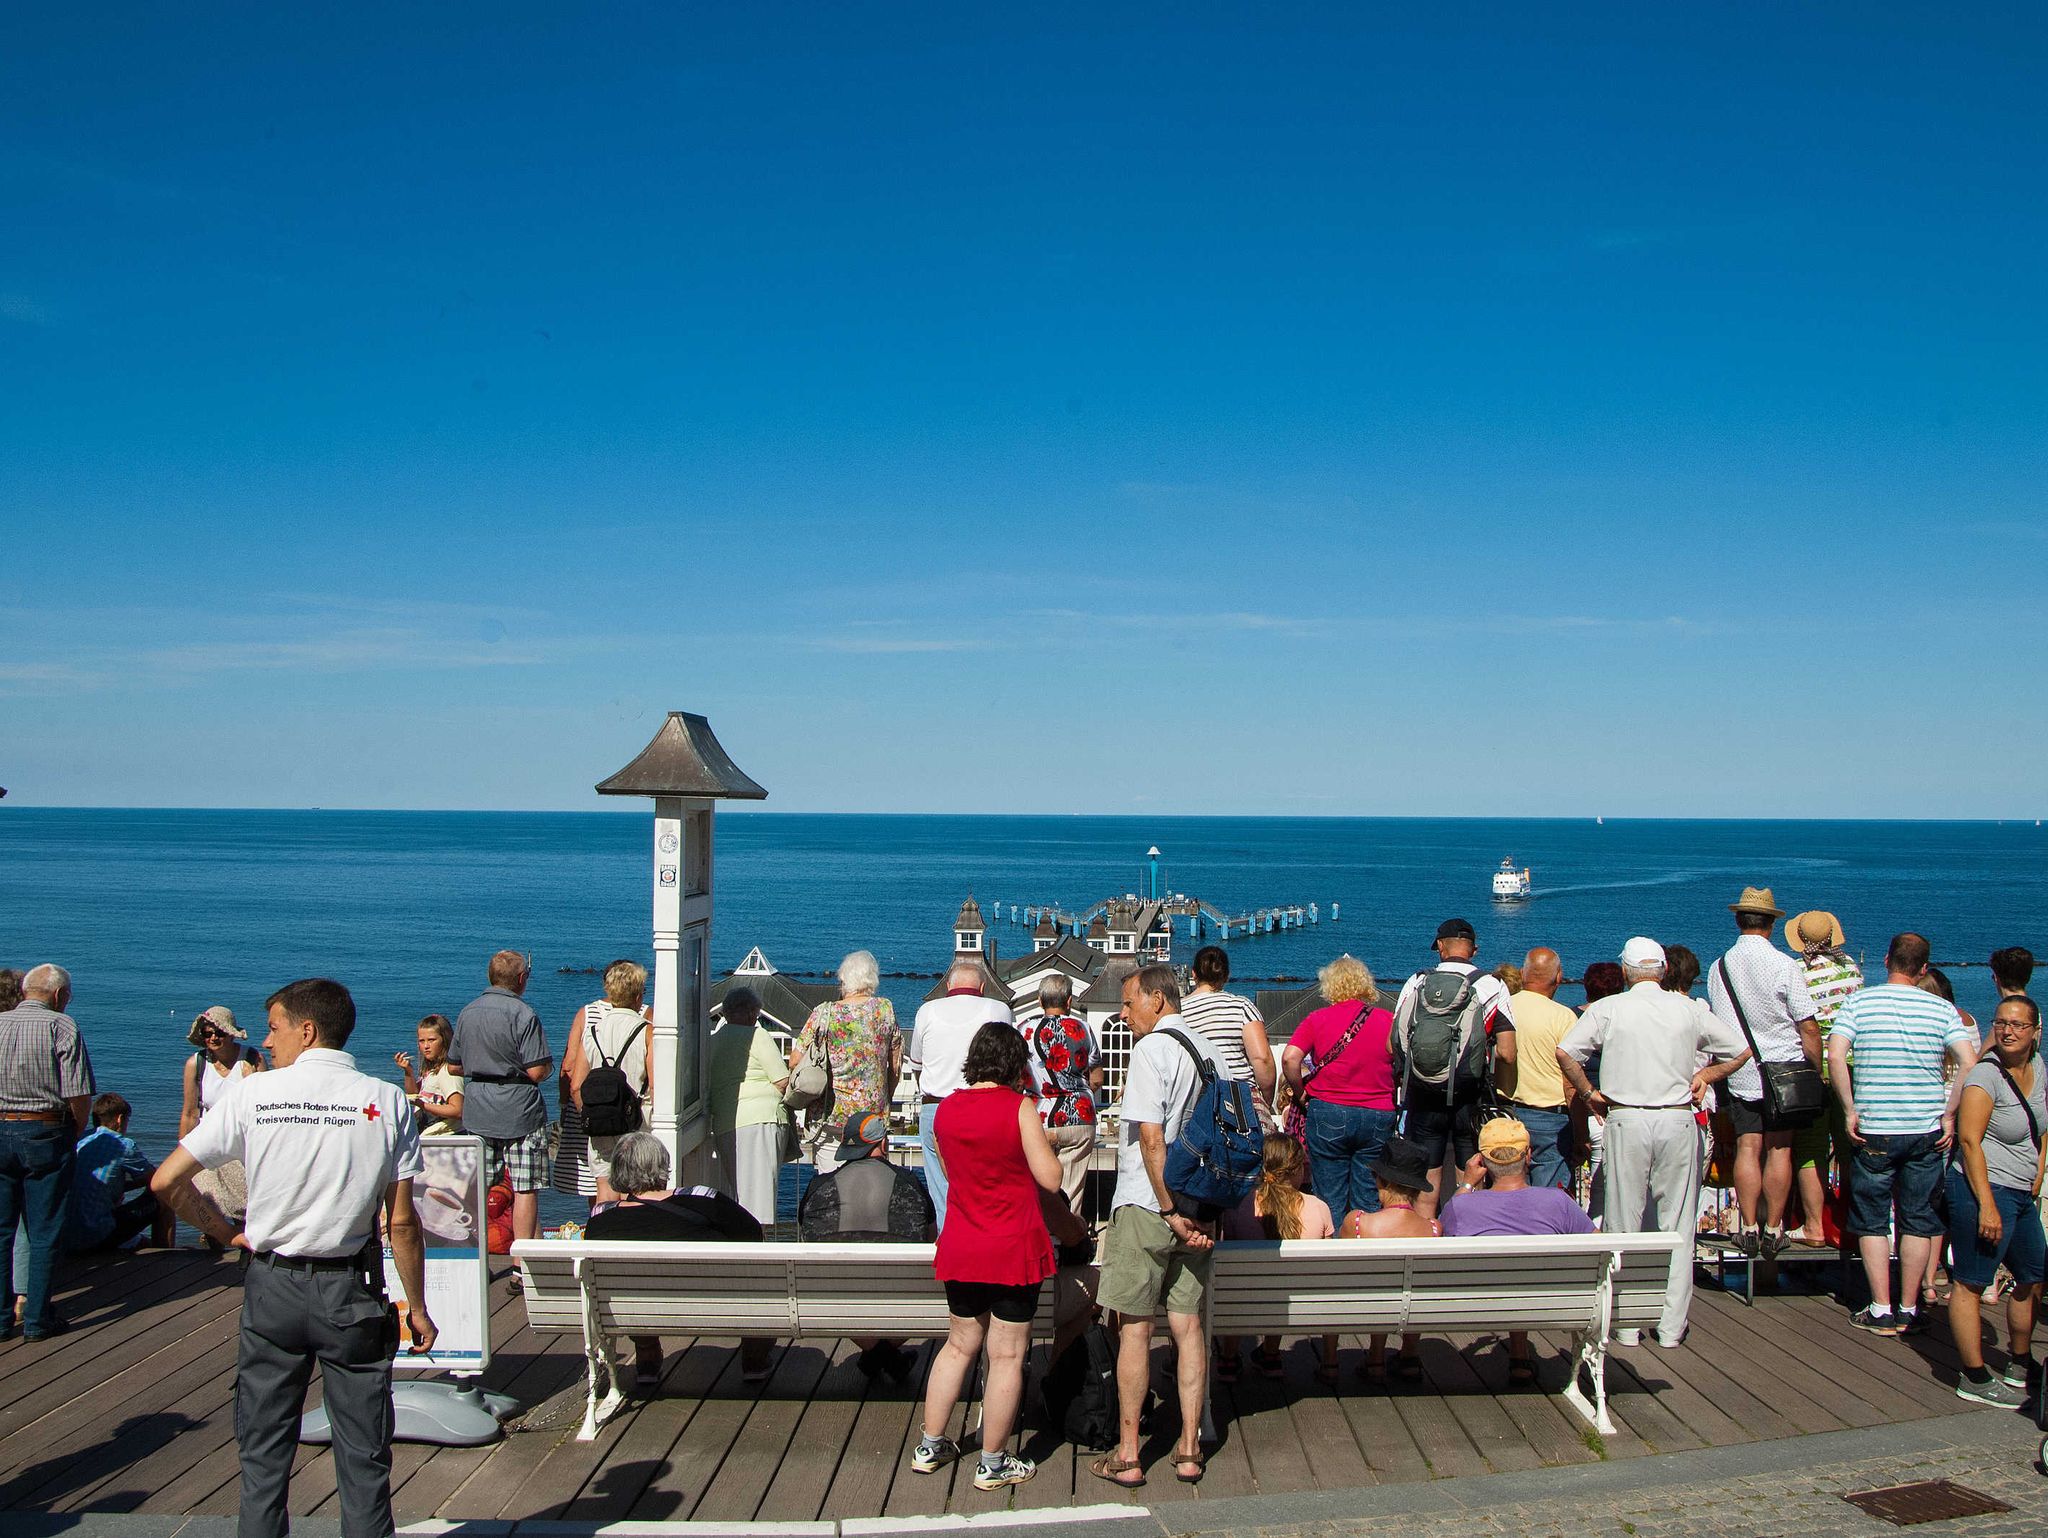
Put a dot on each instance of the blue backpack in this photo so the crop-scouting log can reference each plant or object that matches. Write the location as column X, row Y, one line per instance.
column 1220, row 1153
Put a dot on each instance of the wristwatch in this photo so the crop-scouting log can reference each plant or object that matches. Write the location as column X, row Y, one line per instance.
column 1170, row 1212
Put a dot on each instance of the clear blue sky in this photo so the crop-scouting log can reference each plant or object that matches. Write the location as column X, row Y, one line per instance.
column 1500, row 410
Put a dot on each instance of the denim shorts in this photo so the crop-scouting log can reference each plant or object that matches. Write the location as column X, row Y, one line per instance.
column 1901, row 1171
column 2022, row 1247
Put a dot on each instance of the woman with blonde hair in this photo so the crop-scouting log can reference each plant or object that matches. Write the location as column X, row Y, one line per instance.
column 1278, row 1208
column 857, row 1036
column 614, row 1031
column 1339, row 1065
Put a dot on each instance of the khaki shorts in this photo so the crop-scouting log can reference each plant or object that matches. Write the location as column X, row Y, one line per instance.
column 1144, row 1265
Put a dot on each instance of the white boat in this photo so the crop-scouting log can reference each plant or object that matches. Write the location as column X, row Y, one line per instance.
column 1510, row 885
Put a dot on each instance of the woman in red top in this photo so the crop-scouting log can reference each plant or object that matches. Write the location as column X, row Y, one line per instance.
column 994, row 1252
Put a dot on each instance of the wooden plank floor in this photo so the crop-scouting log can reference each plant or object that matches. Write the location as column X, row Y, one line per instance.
column 133, row 1411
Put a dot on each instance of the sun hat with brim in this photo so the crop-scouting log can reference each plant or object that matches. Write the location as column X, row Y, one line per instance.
column 1814, row 930
column 219, row 1018
column 1403, row 1162
column 1757, row 899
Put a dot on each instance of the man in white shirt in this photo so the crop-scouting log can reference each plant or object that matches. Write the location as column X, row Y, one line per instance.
column 326, row 1149
column 939, row 1039
column 1784, row 1027
column 1649, row 1042
column 1153, row 1253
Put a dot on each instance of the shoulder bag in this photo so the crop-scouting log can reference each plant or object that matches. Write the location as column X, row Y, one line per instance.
column 1790, row 1089
column 1295, row 1122
column 2033, row 1125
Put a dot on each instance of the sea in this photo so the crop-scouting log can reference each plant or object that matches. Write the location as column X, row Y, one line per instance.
column 158, row 914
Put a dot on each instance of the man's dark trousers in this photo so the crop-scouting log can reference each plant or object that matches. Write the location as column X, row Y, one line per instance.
column 292, row 1318
column 37, row 1160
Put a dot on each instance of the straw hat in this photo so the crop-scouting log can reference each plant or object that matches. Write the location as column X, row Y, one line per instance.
column 1814, row 930
column 1757, row 899
column 219, row 1018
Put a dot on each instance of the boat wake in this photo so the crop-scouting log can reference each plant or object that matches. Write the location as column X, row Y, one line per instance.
column 1675, row 878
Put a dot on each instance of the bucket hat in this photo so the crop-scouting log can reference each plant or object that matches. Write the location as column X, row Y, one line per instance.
column 1402, row 1162
column 1757, row 899
column 218, row 1017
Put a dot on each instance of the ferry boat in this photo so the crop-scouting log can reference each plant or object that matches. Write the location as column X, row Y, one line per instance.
column 1510, row 885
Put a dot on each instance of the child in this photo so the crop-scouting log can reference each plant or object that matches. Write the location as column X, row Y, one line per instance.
column 437, row 1088
column 1402, row 1174
column 1278, row 1208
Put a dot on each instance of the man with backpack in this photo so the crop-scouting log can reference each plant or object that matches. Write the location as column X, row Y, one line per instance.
column 1154, row 1250
column 1453, row 1027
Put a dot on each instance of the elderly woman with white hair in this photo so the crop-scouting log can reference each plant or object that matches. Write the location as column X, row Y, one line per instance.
column 646, row 1208
column 863, row 1050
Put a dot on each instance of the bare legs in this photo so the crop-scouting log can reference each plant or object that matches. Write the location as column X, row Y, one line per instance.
column 526, row 1214
column 1134, row 1378
column 1966, row 1322
column 1000, row 1394
column 1877, row 1266
column 1763, row 1177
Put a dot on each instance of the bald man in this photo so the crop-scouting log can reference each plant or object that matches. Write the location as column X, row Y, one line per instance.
column 1533, row 1084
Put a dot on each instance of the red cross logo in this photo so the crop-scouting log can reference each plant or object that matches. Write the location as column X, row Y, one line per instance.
column 370, row 1112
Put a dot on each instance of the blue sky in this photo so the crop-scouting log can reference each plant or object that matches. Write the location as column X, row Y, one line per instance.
column 1507, row 410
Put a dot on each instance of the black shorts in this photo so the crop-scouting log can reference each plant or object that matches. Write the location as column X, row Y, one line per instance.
column 1440, row 1127
column 1753, row 1116
column 1012, row 1305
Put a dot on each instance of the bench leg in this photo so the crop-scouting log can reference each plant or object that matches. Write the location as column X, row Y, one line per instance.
column 1591, row 1357
column 597, row 1353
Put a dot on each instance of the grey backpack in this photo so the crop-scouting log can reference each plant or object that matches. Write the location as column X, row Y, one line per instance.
column 1434, row 1033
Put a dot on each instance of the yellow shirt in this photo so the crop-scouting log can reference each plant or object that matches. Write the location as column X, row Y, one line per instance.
column 1540, row 1024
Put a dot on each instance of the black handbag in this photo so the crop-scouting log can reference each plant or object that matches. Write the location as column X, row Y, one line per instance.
column 1790, row 1089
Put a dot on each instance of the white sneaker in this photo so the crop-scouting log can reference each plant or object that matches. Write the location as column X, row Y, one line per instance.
column 930, row 1457
column 1628, row 1337
column 1011, row 1470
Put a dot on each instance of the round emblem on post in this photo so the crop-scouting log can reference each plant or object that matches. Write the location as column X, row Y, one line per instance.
column 668, row 843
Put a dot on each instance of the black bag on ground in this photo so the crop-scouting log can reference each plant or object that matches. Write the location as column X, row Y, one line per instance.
column 610, row 1106
column 1080, row 1393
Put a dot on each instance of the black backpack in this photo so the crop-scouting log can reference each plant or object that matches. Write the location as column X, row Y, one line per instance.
column 1080, row 1391
column 610, row 1106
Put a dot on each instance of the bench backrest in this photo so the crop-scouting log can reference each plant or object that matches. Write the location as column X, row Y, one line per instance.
column 794, row 1290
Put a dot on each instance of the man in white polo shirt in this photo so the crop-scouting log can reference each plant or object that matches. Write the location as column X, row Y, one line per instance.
column 326, row 1149
column 939, row 1038
column 1650, row 1043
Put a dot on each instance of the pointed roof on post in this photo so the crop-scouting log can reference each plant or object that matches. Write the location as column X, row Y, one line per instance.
column 970, row 916
column 684, row 759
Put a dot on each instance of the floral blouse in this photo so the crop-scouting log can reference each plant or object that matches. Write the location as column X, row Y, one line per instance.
column 1067, row 1053
column 858, row 1036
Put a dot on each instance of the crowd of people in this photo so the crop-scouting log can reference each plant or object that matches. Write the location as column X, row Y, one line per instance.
column 1476, row 1103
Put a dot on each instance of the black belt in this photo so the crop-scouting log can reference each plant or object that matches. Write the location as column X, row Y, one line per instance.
column 498, row 1078
column 355, row 1262
column 1557, row 1110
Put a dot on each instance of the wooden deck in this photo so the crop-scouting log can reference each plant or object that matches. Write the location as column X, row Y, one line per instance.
column 132, row 1411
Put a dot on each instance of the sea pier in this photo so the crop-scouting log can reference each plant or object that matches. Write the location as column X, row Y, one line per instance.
column 1150, row 915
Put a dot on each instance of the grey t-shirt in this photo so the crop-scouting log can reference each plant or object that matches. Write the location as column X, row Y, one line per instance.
column 2009, row 1149
column 497, row 1036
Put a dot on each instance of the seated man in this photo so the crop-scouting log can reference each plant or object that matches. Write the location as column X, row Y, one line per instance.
column 648, row 1209
column 1507, row 1204
column 103, row 1214
column 868, row 1200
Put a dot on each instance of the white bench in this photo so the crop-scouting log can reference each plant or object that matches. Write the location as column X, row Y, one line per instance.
column 1587, row 1284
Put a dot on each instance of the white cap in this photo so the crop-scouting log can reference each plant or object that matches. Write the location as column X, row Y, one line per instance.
column 1640, row 952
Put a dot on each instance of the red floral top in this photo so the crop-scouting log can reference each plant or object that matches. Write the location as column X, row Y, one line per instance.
column 1067, row 1052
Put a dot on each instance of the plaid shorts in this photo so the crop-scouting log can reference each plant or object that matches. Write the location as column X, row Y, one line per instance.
column 525, row 1158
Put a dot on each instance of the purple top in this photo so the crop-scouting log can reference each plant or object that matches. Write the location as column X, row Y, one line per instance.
column 1531, row 1210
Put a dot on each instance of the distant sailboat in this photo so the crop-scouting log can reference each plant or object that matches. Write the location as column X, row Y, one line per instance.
column 1599, row 822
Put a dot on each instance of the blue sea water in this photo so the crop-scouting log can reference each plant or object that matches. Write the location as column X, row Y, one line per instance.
column 161, row 913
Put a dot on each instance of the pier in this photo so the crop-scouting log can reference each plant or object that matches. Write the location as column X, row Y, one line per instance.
column 1151, row 915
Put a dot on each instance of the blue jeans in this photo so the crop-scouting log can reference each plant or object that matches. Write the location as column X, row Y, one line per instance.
column 36, row 1161
column 1550, row 1162
column 934, row 1176
column 2021, row 1245
column 1895, row 1172
column 1343, row 1140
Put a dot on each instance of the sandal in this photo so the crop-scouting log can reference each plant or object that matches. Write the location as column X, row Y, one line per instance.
column 1109, row 1466
column 1372, row 1371
column 1226, row 1369
column 1326, row 1374
column 1408, row 1368
column 1198, row 1458
column 1521, row 1373
column 1268, row 1363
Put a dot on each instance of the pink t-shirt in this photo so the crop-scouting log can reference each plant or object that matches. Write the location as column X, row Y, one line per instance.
column 1364, row 1074
column 1243, row 1220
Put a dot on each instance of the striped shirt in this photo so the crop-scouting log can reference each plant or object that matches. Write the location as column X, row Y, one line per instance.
column 1830, row 978
column 1772, row 986
column 1900, row 1035
column 1220, row 1019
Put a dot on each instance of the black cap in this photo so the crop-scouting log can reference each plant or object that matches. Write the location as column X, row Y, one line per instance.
column 1456, row 929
